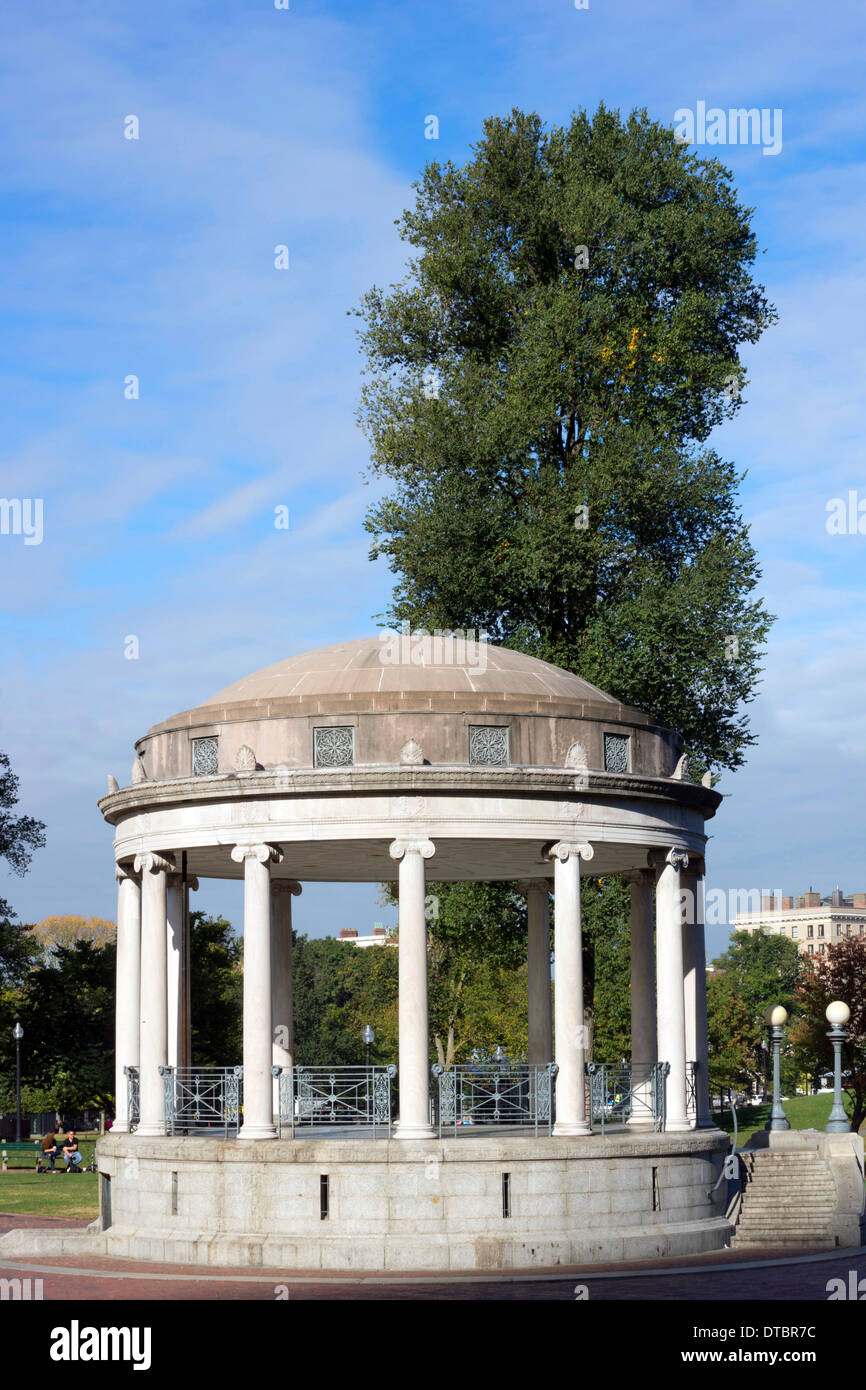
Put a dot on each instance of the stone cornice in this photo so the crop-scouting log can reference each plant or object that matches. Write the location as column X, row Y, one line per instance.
column 443, row 778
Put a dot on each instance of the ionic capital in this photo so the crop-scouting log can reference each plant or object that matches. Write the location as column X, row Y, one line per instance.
column 127, row 873
column 533, row 885
column 287, row 885
column 563, row 850
column 264, row 854
column 425, row 848
column 154, row 863
column 675, row 858
column 637, row 877
column 176, row 881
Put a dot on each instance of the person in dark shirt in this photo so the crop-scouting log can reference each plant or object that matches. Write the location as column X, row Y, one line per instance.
column 49, row 1148
column 70, row 1152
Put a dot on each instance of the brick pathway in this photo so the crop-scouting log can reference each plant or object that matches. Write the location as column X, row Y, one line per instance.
column 724, row 1276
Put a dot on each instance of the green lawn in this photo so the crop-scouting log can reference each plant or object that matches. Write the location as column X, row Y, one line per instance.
column 804, row 1112
column 40, row 1194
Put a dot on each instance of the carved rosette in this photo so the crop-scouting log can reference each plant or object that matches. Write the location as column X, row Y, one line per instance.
column 576, row 756
column 412, row 754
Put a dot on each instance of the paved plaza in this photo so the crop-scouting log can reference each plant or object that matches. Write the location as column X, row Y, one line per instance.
column 726, row 1276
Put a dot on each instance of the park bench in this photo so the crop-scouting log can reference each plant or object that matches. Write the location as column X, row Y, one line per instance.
column 31, row 1149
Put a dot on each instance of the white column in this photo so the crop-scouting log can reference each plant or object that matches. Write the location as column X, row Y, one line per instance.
column 128, row 991
column 539, row 1001
column 258, row 1082
column 570, row 1034
column 185, row 1058
column 282, row 1002
column 695, row 991
column 414, row 1051
column 174, row 952
column 669, row 971
column 643, row 997
column 154, row 870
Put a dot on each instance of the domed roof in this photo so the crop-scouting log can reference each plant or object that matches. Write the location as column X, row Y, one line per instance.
column 409, row 665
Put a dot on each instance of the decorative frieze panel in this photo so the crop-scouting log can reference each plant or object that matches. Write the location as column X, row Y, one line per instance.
column 488, row 747
column 334, row 747
column 615, row 753
column 205, row 757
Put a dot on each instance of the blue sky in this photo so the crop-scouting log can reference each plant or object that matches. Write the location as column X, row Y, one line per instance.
column 154, row 257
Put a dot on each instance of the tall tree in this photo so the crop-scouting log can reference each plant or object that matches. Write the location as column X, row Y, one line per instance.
column 540, row 389
column 19, row 837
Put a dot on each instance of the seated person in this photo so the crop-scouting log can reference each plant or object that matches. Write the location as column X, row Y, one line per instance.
column 70, row 1152
column 50, row 1149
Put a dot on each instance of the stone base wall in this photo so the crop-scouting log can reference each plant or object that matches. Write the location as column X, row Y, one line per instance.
column 409, row 1205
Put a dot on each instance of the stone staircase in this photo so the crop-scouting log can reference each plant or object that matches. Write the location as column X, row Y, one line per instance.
column 789, row 1201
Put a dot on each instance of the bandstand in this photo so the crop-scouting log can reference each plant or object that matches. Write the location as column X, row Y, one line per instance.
column 370, row 761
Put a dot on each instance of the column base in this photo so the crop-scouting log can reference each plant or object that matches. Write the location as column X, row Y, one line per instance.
column 676, row 1126
column 150, row 1132
column 406, row 1131
column 257, row 1132
column 565, row 1128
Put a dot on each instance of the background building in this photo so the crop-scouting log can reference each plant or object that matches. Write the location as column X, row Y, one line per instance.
column 811, row 921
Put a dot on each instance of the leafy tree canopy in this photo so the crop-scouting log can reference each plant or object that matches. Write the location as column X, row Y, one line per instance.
column 540, row 388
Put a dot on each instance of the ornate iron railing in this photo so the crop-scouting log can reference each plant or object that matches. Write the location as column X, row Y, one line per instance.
column 618, row 1094
column 132, row 1097
column 691, row 1090
column 352, row 1096
column 203, row 1100
column 491, row 1094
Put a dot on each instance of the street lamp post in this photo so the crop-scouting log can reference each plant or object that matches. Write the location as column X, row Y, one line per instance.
column 368, row 1037
column 777, row 1017
column 18, row 1034
column 837, row 1016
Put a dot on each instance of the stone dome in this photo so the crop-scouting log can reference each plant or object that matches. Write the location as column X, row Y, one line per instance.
column 403, row 698
column 409, row 666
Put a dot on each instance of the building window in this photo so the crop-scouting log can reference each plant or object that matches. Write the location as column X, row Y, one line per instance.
column 810, row 930
column 811, row 950
column 488, row 747
column 820, row 928
column 334, row 747
column 838, row 928
column 205, row 757
column 795, row 930
column 615, row 753
column 821, row 949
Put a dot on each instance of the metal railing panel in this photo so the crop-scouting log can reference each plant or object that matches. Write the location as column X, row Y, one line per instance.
column 203, row 1100
column 310, row 1097
column 132, row 1097
column 492, row 1095
column 618, row 1094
